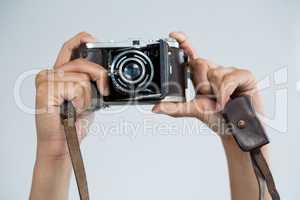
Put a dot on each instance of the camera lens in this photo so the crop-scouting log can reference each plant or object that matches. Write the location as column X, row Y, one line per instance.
column 131, row 71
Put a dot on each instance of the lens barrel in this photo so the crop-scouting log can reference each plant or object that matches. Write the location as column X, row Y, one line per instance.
column 131, row 71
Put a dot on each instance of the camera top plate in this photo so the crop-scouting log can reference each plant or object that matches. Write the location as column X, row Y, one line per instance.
column 134, row 43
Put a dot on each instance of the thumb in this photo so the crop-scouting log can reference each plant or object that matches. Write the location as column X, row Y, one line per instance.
column 182, row 109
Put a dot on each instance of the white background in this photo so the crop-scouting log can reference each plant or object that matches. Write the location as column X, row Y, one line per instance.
column 259, row 35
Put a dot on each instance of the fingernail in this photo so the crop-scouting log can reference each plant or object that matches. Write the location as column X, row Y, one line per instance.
column 89, row 39
column 219, row 107
column 156, row 109
column 106, row 91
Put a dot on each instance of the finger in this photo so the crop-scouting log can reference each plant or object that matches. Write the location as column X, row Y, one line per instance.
column 199, row 66
column 52, row 94
column 96, row 72
column 65, row 53
column 80, row 79
column 83, row 123
column 184, row 43
column 173, row 109
column 224, row 82
column 196, row 108
column 239, row 82
column 83, row 100
column 215, row 77
column 199, row 69
column 61, row 76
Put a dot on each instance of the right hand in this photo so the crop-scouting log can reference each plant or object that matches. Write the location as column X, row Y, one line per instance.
column 68, row 80
column 215, row 86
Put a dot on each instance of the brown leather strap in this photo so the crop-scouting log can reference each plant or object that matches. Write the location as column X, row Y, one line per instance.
column 262, row 170
column 260, row 180
column 68, row 117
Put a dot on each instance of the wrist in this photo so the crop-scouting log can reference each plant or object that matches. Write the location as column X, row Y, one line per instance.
column 52, row 152
column 47, row 168
column 52, row 165
column 52, row 162
column 50, row 175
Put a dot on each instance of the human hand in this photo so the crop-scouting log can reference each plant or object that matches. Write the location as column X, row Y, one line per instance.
column 68, row 80
column 215, row 86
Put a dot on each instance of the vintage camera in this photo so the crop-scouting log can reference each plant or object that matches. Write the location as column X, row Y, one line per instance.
column 139, row 71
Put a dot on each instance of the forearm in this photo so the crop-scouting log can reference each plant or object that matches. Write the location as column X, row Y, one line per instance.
column 51, row 178
column 243, row 182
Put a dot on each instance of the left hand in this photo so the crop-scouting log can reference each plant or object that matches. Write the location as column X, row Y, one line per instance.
column 215, row 86
column 68, row 80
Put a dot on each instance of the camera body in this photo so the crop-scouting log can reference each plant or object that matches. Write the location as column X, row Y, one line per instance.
column 142, row 72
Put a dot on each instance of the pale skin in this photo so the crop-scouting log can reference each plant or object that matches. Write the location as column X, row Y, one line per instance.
column 70, row 80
